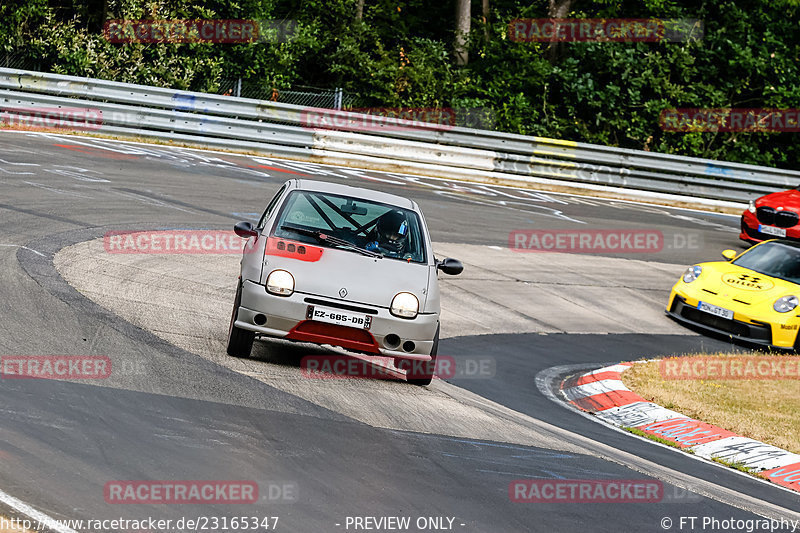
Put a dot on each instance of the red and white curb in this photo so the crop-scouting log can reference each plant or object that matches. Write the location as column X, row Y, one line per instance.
column 602, row 393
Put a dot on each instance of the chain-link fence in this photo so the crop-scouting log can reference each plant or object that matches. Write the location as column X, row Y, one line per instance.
column 300, row 95
column 313, row 97
column 20, row 61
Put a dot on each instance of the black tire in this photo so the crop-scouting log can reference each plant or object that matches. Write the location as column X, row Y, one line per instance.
column 426, row 376
column 240, row 341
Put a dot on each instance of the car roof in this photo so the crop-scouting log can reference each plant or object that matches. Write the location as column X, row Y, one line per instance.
column 357, row 192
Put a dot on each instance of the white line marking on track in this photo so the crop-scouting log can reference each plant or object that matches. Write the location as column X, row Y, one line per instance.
column 97, row 144
column 17, row 151
column 17, row 173
column 151, row 201
column 57, row 191
column 23, row 247
column 76, row 173
column 18, row 164
column 41, row 518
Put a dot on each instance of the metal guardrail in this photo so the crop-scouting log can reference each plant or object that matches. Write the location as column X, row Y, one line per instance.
column 379, row 142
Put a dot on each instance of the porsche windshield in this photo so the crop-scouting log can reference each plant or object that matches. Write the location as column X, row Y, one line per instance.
column 352, row 223
column 775, row 259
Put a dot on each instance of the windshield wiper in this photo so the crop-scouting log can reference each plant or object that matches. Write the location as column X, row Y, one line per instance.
column 336, row 241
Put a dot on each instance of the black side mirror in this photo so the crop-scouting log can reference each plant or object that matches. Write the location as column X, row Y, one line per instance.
column 450, row 266
column 245, row 230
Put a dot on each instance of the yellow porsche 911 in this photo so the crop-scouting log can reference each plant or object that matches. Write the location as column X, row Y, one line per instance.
column 751, row 297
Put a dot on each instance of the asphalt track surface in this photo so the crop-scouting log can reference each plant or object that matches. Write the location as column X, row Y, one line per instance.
column 193, row 420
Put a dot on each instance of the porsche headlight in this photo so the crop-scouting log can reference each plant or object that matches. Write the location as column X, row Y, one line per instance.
column 280, row 283
column 752, row 206
column 785, row 304
column 405, row 305
column 692, row 273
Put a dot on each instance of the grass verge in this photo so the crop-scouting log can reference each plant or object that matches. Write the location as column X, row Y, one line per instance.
column 736, row 465
column 767, row 410
column 655, row 438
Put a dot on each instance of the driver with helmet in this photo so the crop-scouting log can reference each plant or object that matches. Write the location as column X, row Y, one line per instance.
column 390, row 235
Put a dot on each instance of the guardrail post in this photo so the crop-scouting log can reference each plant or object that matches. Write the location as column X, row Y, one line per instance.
column 337, row 99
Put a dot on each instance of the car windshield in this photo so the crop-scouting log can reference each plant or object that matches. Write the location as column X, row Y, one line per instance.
column 773, row 259
column 338, row 221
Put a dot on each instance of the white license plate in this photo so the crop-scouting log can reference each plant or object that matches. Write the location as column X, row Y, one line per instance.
column 338, row 317
column 714, row 310
column 772, row 230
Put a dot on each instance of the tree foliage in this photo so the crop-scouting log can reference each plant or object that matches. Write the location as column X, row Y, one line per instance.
column 401, row 54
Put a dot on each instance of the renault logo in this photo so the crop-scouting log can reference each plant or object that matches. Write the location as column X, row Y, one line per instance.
column 342, row 292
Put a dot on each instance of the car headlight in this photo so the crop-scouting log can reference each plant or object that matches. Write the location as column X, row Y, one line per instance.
column 752, row 206
column 405, row 305
column 785, row 304
column 280, row 283
column 692, row 273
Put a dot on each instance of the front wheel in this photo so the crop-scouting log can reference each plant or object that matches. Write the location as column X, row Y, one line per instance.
column 423, row 376
column 240, row 341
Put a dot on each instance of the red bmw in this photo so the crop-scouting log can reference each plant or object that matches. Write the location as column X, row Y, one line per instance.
column 772, row 216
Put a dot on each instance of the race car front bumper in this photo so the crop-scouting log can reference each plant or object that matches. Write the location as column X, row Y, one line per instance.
column 751, row 329
column 287, row 317
column 750, row 231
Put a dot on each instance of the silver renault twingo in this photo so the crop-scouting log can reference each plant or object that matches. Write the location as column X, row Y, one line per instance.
column 343, row 266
